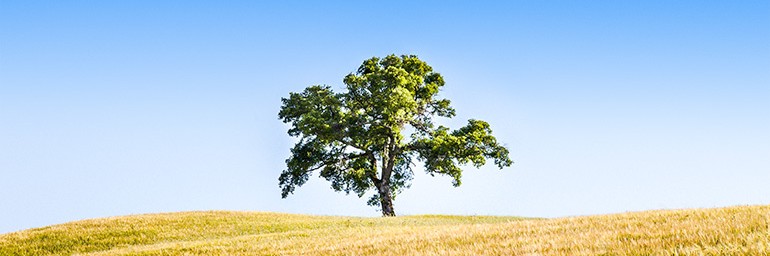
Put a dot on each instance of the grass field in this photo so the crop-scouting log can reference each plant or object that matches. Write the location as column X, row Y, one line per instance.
column 743, row 230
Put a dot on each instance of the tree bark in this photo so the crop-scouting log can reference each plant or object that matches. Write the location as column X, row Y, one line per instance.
column 389, row 158
column 386, row 201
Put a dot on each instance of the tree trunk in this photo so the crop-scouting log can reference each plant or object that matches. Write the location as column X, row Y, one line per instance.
column 386, row 201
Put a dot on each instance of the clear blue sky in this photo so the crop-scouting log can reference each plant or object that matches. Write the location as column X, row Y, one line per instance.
column 610, row 106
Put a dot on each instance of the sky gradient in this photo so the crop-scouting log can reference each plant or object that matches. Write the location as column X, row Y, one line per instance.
column 139, row 107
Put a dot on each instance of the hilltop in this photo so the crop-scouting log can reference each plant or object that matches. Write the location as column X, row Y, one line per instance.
column 732, row 230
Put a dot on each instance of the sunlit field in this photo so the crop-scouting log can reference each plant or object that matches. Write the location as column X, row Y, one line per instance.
column 743, row 230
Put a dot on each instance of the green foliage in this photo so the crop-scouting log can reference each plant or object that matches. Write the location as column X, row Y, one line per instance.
column 357, row 138
column 470, row 144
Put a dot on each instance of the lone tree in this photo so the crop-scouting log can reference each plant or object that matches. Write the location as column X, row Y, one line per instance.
column 357, row 138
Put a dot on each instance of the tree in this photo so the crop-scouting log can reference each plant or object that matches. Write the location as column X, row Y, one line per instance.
column 357, row 139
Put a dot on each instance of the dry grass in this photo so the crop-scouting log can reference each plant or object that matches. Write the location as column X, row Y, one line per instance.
column 741, row 230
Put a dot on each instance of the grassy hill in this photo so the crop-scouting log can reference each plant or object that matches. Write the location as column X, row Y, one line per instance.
column 743, row 230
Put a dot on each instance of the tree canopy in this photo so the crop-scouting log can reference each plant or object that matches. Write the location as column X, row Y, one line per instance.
column 370, row 136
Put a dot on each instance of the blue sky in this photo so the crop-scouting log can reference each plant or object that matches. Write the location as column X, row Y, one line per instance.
column 607, row 106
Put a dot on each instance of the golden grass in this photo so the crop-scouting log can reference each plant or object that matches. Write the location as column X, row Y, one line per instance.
column 743, row 230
